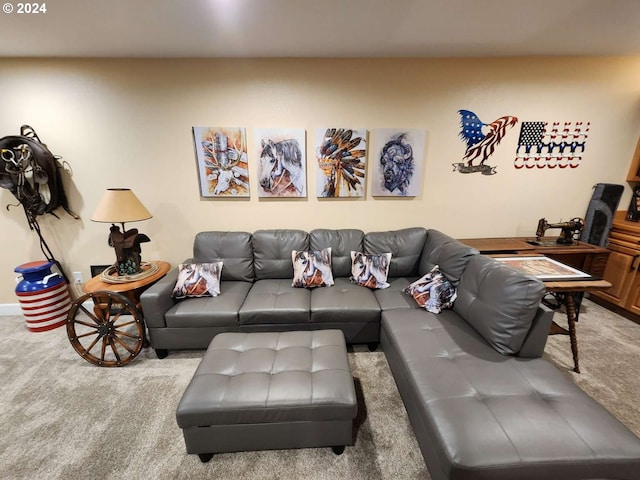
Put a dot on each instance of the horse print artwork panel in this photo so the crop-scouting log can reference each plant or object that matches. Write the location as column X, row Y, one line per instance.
column 341, row 155
column 282, row 161
column 398, row 162
column 221, row 155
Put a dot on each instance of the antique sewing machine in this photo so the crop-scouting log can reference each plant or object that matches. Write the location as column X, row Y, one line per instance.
column 570, row 229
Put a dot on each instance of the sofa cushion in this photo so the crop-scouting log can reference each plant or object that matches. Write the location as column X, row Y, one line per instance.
column 209, row 311
column 499, row 302
column 232, row 248
column 370, row 270
column 272, row 252
column 276, row 301
column 197, row 280
column 342, row 242
column 394, row 296
column 344, row 302
column 448, row 253
column 312, row 268
column 405, row 246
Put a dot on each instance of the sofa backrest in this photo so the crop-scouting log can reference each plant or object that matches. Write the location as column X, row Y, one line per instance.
column 272, row 252
column 232, row 248
column 267, row 253
column 448, row 253
column 342, row 242
column 499, row 302
column 405, row 246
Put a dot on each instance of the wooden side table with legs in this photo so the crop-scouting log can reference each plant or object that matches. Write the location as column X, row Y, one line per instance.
column 567, row 289
column 561, row 280
column 113, row 332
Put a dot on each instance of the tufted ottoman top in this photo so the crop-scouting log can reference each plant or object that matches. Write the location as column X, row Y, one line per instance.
column 270, row 377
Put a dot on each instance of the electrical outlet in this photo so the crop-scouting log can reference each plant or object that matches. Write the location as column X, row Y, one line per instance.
column 77, row 277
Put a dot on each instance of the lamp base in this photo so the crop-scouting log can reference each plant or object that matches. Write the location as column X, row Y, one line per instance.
column 128, row 267
column 127, row 247
column 111, row 275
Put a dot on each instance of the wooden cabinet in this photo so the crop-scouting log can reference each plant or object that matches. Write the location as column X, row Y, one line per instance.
column 633, row 177
column 633, row 299
column 634, row 168
column 623, row 267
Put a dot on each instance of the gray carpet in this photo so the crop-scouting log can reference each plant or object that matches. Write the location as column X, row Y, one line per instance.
column 609, row 355
column 63, row 418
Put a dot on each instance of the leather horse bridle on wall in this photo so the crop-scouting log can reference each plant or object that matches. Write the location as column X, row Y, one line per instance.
column 32, row 174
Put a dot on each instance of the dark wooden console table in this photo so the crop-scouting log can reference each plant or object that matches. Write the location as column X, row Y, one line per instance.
column 589, row 258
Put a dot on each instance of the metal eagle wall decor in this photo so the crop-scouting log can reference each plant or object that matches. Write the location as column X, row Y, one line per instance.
column 481, row 139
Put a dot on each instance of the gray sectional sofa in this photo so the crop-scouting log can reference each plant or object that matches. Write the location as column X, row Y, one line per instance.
column 482, row 402
column 256, row 292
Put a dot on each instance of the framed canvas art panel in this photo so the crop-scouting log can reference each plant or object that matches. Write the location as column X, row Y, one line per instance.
column 221, row 156
column 341, row 156
column 282, row 162
column 397, row 162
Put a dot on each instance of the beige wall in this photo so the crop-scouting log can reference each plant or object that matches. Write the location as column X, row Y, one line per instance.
column 127, row 123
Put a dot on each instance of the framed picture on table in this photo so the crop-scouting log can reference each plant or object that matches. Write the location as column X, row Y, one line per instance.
column 545, row 268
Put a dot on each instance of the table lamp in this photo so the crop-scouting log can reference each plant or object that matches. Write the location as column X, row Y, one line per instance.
column 120, row 205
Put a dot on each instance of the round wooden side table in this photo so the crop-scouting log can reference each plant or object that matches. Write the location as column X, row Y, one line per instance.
column 113, row 332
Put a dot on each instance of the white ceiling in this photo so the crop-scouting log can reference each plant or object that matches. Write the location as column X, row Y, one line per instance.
column 322, row 28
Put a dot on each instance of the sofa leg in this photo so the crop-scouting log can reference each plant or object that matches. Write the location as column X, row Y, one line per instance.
column 373, row 346
column 205, row 457
column 338, row 450
column 161, row 353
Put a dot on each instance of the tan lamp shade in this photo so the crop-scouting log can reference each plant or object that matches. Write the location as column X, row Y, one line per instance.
column 120, row 205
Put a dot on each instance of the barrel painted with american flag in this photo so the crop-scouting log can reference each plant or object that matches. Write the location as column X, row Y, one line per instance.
column 43, row 296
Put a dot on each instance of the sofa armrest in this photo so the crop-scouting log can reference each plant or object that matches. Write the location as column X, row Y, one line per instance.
column 157, row 299
column 536, row 339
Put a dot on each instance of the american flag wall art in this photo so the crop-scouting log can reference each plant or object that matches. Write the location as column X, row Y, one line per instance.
column 545, row 145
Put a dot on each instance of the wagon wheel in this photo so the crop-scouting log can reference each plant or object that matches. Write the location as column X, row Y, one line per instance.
column 109, row 336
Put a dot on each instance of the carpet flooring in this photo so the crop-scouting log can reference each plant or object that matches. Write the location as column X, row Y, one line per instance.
column 64, row 418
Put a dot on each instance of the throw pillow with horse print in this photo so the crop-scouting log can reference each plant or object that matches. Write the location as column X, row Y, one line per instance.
column 433, row 291
column 370, row 270
column 198, row 280
column 312, row 268
column 282, row 167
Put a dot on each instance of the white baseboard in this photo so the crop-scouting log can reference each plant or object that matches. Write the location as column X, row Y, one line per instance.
column 10, row 309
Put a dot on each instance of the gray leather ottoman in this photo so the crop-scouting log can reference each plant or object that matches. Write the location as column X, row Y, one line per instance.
column 272, row 390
